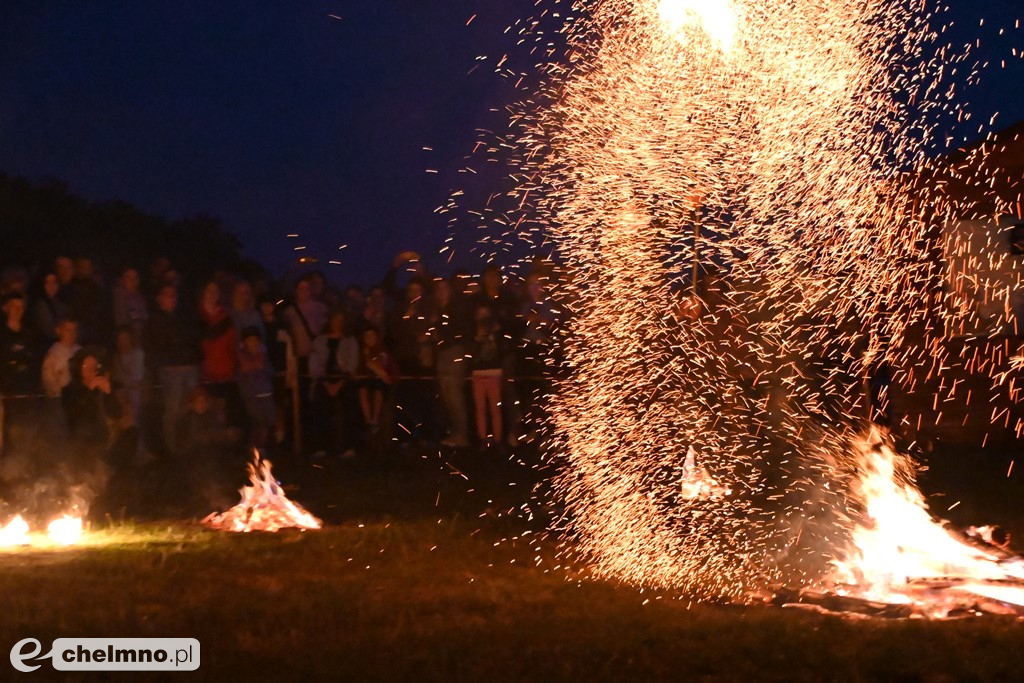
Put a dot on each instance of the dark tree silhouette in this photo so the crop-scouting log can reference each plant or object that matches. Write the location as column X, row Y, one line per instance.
column 40, row 220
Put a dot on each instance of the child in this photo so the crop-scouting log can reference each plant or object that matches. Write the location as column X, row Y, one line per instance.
column 56, row 364
column 256, row 382
column 128, row 370
column 378, row 372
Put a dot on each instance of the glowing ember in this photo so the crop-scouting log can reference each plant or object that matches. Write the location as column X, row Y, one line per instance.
column 65, row 531
column 14, row 533
column 264, row 506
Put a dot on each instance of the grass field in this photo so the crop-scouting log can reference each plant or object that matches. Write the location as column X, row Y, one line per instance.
column 419, row 576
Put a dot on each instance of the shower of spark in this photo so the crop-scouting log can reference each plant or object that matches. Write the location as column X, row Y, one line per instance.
column 787, row 153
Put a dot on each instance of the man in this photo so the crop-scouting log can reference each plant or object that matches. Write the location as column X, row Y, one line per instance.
column 172, row 349
column 17, row 354
column 87, row 303
column 19, row 372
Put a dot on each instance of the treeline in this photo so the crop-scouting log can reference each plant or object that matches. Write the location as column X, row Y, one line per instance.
column 42, row 219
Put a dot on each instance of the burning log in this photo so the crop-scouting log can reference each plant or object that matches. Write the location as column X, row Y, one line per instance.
column 264, row 506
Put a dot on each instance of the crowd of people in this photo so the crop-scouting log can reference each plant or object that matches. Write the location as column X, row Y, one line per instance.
column 147, row 366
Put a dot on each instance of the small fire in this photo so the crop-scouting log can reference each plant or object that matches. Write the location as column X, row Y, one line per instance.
column 15, row 533
column 65, row 531
column 697, row 482
column 901, row 555
column 264, row 506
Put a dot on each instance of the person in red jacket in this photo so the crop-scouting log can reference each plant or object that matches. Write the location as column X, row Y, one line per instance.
column 219, row 345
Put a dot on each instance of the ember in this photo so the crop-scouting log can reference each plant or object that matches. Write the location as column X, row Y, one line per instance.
column 264, row 506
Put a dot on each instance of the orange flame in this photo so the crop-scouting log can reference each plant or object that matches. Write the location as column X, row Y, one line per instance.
column 264, row 506
column 900, row 554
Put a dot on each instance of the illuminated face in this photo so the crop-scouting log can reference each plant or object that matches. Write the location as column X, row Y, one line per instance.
column 68, row 333
column 51, row 285
column 130, row 280
column 15, row 309
column 90, row 368
column 211, row 294
column 168, row 299
column 715, row 17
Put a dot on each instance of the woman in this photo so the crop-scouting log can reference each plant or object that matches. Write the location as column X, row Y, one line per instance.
column 47, row 309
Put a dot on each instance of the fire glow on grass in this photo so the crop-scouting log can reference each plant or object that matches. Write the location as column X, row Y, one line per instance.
column 264, row 506
column 790, row 152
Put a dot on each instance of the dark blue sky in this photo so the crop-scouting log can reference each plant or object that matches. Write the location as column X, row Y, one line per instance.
column 281, row 119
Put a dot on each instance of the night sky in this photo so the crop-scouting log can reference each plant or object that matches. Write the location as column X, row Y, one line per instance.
column 280, row 118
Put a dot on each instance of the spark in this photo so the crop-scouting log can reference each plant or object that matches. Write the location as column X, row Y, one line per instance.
column 750, row 221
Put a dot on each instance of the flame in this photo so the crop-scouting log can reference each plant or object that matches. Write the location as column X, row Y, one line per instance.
column 15, row 533
column 697, row 482
column 716, row 18
column 65, row 531
column 900, row 554
column 264, row 506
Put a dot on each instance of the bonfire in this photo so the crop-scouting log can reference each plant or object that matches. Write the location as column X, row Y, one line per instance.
column 264, row 506
column 903, row 562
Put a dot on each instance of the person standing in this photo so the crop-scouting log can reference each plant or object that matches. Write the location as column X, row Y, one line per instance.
column 19, row 372
column 219, row 344
column 256, row 384
column 48, row 309
column 449, row 333
column 487, row 354
column 378, row 373
column 333, row 362
column 88, row 303
column 129, row 305
column 172, row 349
column 57, row 362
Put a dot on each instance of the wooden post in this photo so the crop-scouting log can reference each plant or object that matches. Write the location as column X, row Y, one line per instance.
column 296, row 418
